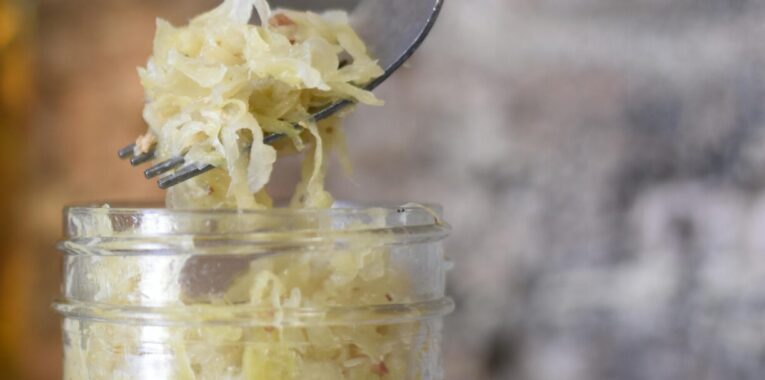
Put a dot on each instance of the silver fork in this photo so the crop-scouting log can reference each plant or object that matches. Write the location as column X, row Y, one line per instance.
column 392, row 30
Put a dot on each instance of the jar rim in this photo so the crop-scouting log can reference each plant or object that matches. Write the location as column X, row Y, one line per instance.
column 339, row 208
column 125, row 228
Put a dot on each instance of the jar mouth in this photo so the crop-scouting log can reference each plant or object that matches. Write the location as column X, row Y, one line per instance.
column 338, row 209
column 136, row 228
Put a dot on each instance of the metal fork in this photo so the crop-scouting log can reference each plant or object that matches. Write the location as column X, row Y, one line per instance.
column 392, row 30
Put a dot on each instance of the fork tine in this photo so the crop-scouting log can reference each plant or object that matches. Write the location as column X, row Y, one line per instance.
column 272, row 138
column 183, row 174
column 189, row 171
column 126, row 151
column 163, row 166
column 141, row 158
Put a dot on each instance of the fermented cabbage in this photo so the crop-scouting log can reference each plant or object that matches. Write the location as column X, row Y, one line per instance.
column 273, row 346
column 216, row 87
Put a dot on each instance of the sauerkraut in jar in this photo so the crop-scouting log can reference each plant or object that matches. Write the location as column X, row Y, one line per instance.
column 343, row 293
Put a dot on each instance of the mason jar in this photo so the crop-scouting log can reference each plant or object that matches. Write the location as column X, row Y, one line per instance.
column 342, row 293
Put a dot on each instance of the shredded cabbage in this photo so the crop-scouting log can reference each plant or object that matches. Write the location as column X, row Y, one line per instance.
column 217, row 86
column 275, row 348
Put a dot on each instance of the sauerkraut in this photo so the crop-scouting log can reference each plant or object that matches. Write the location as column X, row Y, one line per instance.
column 216, row 87
column 275, row 344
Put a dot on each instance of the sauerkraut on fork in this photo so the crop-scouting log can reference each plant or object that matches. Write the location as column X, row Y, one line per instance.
column 217, row 86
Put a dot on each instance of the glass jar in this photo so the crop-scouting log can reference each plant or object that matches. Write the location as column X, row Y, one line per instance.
column 345, row 293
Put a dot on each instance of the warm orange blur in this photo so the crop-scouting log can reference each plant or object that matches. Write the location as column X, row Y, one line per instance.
column 16, row 92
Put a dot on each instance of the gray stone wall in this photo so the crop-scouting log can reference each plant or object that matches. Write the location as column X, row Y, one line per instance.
column 602, row 163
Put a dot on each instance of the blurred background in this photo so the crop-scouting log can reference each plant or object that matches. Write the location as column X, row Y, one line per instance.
column 602, row 163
